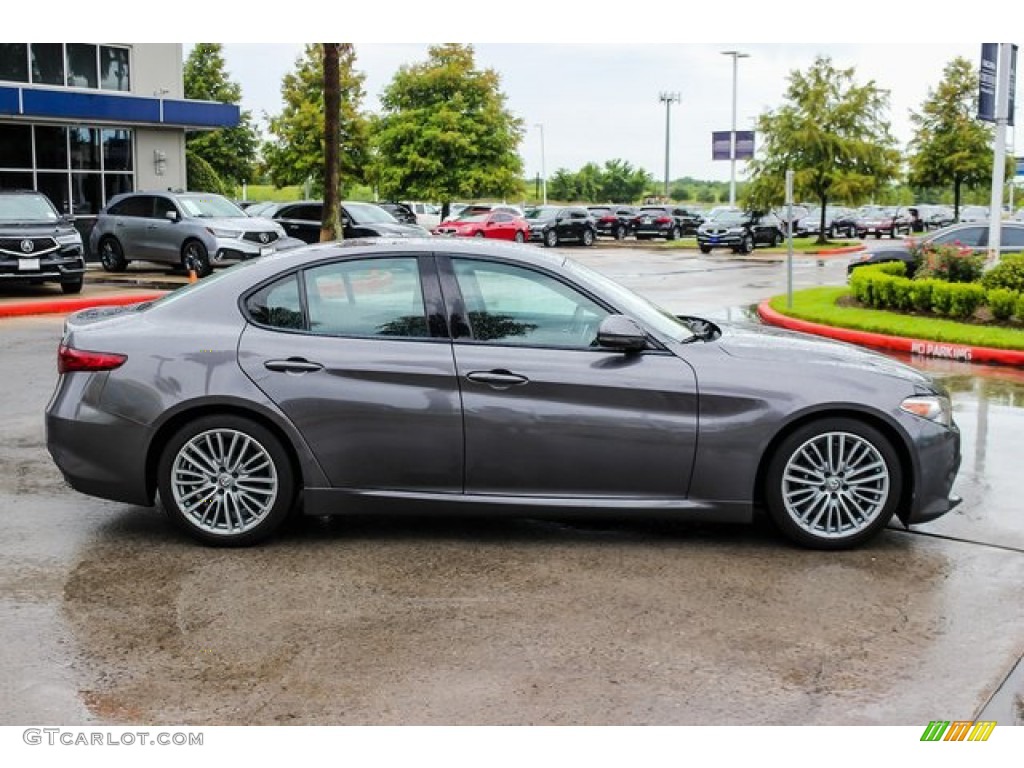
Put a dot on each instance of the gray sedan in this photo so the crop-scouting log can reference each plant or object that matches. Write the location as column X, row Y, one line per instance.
column 414, row 376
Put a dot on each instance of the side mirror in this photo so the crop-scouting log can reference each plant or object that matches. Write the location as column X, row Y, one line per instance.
column 621, row 333
column 172, row 215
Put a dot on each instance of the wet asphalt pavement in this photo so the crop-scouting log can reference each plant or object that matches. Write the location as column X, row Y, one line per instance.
column 108, row 615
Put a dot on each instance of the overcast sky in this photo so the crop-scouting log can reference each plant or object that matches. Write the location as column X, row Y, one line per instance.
column 597, row 102
column 598, row 99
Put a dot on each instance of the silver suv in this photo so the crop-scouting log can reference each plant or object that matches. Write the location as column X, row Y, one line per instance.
column 193, row 230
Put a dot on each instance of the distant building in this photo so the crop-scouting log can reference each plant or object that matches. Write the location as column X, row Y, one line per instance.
column 82, row 122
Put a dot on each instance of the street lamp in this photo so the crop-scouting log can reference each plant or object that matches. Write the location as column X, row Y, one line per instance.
column 736, row 56
column 667, row 98
column 543, row 172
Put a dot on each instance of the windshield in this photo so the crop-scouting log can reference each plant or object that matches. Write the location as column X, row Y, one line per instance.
column 475, row 218
column 730, row 218
column 538, row 214
column 209, row 207
column 19, row 207
column 648, row 313
column 365, row 213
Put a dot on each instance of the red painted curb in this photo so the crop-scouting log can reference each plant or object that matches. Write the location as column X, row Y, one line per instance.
column 59, row 306
column 941, row 349
column 839, row 251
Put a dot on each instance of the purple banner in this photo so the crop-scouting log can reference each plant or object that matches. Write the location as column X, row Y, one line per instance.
column 721, row 146
column 987, row 82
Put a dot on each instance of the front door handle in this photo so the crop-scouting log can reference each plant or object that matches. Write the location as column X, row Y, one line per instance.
column 292, row 365
column 499, row 379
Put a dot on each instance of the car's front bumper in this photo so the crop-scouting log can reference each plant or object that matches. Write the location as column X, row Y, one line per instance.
column 237, row 249
column 728, row 240
column 937, row 462
column 63, row 267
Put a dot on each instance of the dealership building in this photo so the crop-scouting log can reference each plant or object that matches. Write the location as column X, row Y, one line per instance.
column 82, row 122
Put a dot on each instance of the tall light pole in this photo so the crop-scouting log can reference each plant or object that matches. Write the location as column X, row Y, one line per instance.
column 543, row 171
column 667, row 98
column 736, row 56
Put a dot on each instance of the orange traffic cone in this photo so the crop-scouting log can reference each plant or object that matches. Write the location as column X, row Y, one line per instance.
column 192, row 276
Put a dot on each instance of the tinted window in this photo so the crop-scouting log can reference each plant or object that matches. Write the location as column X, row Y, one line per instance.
column 969, row 236
column 48, row 63
column 1012, row 237
column 161, row 207
column 51, row 147
column 303, row 213
column 82, row 65
column 502, row 218
column 140, row 205
column 277, row 304
column 14, row 62
column 514, row 305
column 114, row 69
column 15, row 146
column 368, row 297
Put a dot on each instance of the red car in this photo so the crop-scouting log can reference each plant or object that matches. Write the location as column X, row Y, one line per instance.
column 498, row 225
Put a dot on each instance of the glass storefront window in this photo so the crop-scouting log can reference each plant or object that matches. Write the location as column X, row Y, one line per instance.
column 15, row 146
column 52, row 147
column 116, row 183
column 55, row 187
column 85, row 148
column 86, row 193
column 15, row 180
column 14, row 62
column 114, row 69
column 82, row 66
column 117, row 149
column 48, row 63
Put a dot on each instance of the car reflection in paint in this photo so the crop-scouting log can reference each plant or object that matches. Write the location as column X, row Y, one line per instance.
column 419, row 376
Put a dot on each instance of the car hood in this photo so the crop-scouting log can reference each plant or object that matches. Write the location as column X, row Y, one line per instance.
column 756, row 342
column 246, row 223
column 35, row 229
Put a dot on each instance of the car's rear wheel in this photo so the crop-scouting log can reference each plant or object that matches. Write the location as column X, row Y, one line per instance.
column 195, row 256
column 705, row 249
column 479, row 234
column 673, row 234
column 775, row 239
column 551, row 238
column 588, row 237
column 747, row 245
column 226, row 480
column 72, row 286
column 833, row 484
column 620, row 233
column 520, row 237
column 112, row 255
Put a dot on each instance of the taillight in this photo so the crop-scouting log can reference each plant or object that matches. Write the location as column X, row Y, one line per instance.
column 663, row 220
column 70, row 359
column 609, row 219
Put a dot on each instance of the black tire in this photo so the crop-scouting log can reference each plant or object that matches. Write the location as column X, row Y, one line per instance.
column 643, row 237
column 747, row 246
column 705, row 249
column 72, row 287
column 854, row 510
column 112, row 255
column 251, row 440
column 832, row 232
column 878, row 235
column 520, row 237
column 588, row 238
column 776, row 239
column 479, row 234
column 194, row 253
column 673, row 234
column 550, row 238
column 620, row 233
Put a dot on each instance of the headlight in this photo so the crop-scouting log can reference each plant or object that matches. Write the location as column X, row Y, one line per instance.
column 73, row 239
column 231, row 233
column 932, row 407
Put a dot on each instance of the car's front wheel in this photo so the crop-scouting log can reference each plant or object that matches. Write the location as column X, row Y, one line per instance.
column 747, row 245
column 551, row 238
column 194, row 256
column 588, row 237
column 520, row 237
column 833, row 483
column 620, row 233
column 705, row 249
column 226, row 480
column 72, row 286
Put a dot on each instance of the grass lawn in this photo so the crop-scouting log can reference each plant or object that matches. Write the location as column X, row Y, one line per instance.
column 818, row 305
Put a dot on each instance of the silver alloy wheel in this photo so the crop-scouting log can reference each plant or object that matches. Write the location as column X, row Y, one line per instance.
column 224, row 482
column 835, row 485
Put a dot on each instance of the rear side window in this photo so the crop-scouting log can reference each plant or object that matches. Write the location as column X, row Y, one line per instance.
column 1012, row 237
column 140, row 206
column 968, row 236
column 277, row 305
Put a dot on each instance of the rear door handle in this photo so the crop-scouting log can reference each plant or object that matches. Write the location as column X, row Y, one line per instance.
column 499, row 379
column 292, row 365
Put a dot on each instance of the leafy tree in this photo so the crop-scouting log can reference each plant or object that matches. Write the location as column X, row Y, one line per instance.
column 832, row 134
column 562, row 185
column 444, row 131
column 950, row 147
column 297, row 150
column 707, row 195
column 230, row 152
column 201, row 176
column 622, row 183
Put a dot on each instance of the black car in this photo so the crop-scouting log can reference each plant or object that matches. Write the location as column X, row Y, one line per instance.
column 668, row 221
column 613, row 220
column 838, row 221
column 302, row 220
column 552, row 225
column 741, row 231
column 37, row 244
column 402, row 212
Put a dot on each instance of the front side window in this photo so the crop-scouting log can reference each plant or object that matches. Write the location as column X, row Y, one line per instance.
column 1011, row 237
column 367, row 297
column 509, row 304
column 968, row 236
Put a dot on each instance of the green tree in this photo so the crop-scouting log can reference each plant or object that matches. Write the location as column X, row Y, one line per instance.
column 230, row 152
column 833, row 135
column 562, row 186
column 707, row 194
column 202, row 177
column 951, row 148
column 444, row 131
column 296, row 152
column 622, row 183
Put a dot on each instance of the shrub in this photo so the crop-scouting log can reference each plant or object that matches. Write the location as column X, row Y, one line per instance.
column 921, row 294
column 1008, row 273
column 1019, row 311
column 942, row 297
column 952, row 263
column 201, row 176
column 1002, row 302
column 894, row 268
column 965, row 299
